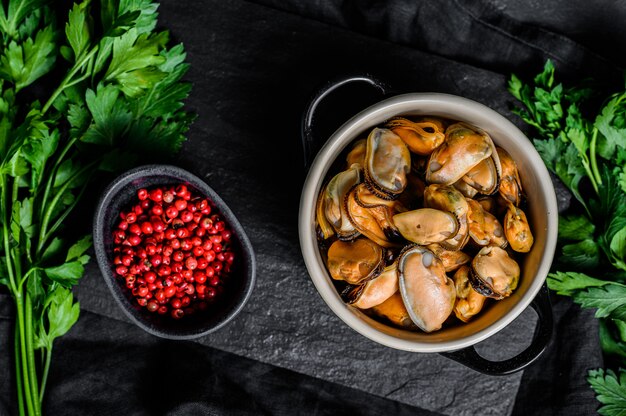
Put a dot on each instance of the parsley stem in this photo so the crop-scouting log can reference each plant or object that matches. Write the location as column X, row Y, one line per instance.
column 67, row 211
column 78, row 65
column 5, row 230
column 46, row 369
column 585, row 164
column 55, row 168
column 30, row 354
column 43, row 232
column 592, row 156
column 19, row 303
column 18, row 373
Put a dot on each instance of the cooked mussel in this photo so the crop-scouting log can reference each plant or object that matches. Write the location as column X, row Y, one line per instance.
column 427, row 292
column 421, row 137
column 517, row 230
column 467, row 190
column 447, row 198
column 387, row 162
column 332, row 203
column 394, row 310
column 375, row 291
column 372, row 216
column 465, row 147
column 485, row 176
column 355, row 261
column 468, row 301
column 426, row 225
column 494, row 274
column 510, row 185
column 451, row 259
column 484, row 228
column 357, row 153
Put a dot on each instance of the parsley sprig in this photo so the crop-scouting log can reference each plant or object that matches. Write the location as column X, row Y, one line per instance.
column 95, row 88
column 587, row 151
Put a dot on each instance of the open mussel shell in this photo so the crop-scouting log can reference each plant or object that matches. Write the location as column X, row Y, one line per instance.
column 494, row 274
column 422, row 136
column 375, row 291
column 517, row 230
column 468, row 301
column 387, row 162
column 427, row 292
column 332, row 202
column 426, row 225
column 465, row 147
column 355, row 262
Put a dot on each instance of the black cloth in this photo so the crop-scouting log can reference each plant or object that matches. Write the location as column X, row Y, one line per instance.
column 255, row 64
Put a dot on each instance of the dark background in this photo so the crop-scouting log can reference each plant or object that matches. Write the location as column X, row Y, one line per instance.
column 255, row 64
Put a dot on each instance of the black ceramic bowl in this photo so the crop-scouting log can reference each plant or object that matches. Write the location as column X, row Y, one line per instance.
column 117, row 197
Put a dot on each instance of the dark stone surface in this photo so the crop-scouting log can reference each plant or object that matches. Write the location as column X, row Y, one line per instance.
column 252, row 77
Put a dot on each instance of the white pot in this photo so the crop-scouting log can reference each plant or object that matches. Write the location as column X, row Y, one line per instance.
column 542, row 214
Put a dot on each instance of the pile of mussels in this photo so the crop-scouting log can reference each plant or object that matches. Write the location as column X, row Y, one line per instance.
column 419, row 199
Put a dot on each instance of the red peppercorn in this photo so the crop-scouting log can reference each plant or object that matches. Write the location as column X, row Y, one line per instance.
column 177, row 313
column 146, row 228
column 180, row 204
column 175, row 303
column 191, row 263
column 152, row 306
column 121, row 270
column 123, row 225
column 149, row 277
column 131, row 217
column 171, row 212
column 162, row 310
column 134, row 240
column 142, row 194
column 169, row 291
column 156, row 195
column 168, row 197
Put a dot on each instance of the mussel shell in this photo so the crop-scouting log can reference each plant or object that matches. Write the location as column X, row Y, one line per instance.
column 465, row 146
column 387, row 162
column 494, row 274
column 427, row 292
column 334, row 202
column 355, row 262
column 357, row 153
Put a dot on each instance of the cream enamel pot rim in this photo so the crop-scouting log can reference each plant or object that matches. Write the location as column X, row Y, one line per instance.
column 455, row 342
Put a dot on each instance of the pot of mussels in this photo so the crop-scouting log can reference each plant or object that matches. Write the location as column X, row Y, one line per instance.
column 428, row 223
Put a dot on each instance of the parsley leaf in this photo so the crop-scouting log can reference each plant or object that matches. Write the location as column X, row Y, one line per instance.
column 568, row 283
column 610, row 389
column 575, row 227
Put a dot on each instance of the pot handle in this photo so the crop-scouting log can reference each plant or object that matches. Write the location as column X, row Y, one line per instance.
column 543, row 334
column 308, row 137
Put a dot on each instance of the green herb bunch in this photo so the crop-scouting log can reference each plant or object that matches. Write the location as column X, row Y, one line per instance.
column 585, row 146
column 88, row 89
